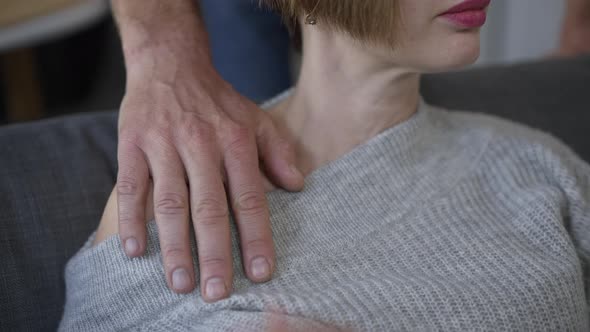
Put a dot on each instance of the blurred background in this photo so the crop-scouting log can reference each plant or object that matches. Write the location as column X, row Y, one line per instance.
column 64, row 56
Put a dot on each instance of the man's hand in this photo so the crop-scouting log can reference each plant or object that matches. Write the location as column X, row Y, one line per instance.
column 183, row 124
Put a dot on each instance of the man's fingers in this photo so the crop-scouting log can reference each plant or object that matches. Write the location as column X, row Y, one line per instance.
column 132, row 188
column 249, row 204
column 210, row 217
column 278, row 157
column 171, row 208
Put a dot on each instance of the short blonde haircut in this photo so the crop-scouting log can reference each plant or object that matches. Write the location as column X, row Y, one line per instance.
column 366, row 20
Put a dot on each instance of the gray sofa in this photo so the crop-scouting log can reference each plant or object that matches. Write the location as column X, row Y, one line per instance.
column 56, row 175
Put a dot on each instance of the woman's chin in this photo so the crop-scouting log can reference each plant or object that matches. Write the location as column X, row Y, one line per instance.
column 454, row 58
column 464, row 49
column 442, row 53
column 462, row 60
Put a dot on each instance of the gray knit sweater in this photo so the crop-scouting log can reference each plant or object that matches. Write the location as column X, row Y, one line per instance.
column 450, row 221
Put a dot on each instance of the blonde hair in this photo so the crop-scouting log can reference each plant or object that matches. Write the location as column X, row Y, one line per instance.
column 373, row 21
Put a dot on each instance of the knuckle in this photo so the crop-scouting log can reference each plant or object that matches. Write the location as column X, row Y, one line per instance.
column 265, row 129
column 171, row 204
column 212, row 263
column 211, row 211
column 197, row 131
column 250, row 202
column 256, row 244
column 126, row 219
column 127, row 185
column 130, row 132
column 173, row 254
column 238, row 138
column 129, row 136
column 160, row 136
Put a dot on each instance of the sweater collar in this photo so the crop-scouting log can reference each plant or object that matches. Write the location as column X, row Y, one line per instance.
column 389, row 146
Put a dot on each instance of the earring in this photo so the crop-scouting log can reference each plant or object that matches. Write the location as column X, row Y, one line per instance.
column 310, row 18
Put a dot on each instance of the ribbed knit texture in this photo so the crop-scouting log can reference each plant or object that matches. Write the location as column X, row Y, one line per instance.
column 449, row 221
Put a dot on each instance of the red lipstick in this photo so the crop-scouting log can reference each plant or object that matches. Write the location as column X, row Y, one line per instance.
column 468, row 14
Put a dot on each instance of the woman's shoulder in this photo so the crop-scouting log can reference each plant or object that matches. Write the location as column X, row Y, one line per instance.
column 513, row 145
column 504, row 133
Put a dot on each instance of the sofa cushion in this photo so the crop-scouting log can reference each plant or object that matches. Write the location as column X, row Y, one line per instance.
column 552, row 95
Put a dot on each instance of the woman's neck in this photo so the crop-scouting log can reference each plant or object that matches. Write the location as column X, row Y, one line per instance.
column 344, row 96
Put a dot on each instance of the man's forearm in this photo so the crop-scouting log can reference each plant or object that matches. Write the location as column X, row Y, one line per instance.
column 171, row 30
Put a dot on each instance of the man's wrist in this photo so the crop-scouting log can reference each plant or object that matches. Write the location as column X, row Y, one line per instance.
column 158, row 35
column 166, row 61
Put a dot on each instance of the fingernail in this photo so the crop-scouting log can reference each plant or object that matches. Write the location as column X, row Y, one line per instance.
column 215, row 288
column 260, row 268
column 131, row 246
column 180, row 279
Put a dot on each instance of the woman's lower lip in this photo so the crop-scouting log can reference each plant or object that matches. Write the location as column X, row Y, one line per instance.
column 467, row 19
